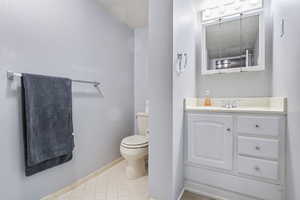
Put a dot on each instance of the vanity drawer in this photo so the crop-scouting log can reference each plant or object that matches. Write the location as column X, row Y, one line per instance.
column 264, row 148
column 259, row 125
column 258, row 168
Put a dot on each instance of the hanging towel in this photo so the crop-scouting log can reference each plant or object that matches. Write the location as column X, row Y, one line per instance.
column 48, row 124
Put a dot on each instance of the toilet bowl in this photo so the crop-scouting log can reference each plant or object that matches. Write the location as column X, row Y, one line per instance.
column 134, row 149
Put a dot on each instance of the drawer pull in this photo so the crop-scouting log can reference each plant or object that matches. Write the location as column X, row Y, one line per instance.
column 257, row 148
column 257, row 168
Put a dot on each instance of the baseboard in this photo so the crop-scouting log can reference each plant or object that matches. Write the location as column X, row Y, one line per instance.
column 215, row 193
column 82, row 180
column 179, row 197
column 181, row 194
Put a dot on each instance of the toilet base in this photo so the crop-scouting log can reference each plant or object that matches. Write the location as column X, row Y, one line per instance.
column 135, row 168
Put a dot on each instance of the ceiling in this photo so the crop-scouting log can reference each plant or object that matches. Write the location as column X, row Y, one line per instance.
column 134, row 13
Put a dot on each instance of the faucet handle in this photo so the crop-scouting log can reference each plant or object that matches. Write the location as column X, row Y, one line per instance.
column 234, row 104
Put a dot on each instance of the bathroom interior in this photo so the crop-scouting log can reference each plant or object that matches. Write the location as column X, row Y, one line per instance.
column 149, row 100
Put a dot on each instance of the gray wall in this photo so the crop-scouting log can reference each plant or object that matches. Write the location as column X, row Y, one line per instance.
column 183, row 84
column 250, row 84
column 76, row 39
column 286, row 83
column 141, row 74
column 160, row 95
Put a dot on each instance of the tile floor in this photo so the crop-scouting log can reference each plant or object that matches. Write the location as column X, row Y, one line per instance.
column 113, row 184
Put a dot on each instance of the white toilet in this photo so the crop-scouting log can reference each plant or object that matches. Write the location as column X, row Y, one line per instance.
column 135, row 148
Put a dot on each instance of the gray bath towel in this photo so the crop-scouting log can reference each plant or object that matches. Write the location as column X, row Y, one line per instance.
column 48, row 125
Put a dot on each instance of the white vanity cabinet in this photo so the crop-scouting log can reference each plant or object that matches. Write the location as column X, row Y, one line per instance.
column 236, row 156
column 210, row 140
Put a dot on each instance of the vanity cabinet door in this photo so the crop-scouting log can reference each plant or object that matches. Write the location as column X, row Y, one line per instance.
column 210, row 140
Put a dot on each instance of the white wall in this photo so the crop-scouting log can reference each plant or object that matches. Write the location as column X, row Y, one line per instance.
column 250, row 84
column 184, row 21
column 141, row 74
column 160, row 78
column 75, row 39
column 167, row 93
column 286, row 83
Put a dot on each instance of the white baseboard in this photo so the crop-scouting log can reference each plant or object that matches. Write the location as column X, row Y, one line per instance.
column 181, row 194
column 179, row 197
column 212, row 192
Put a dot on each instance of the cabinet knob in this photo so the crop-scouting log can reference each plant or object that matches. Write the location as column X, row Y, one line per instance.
column 257, row 168
column 257, row 126
column 257, row 148
column 228, row 129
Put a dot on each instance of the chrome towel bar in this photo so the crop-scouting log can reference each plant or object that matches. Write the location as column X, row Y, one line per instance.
column 11, row 76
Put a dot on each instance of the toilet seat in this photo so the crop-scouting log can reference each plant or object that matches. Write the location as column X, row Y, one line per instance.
column 135, row 142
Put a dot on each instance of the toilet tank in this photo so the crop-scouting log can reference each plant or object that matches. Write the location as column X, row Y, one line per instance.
column 142, row 123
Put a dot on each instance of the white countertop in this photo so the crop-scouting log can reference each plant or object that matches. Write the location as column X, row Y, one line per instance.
column 265, row 105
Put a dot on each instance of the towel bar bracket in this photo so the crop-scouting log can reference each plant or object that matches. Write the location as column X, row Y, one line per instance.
column 11, row 75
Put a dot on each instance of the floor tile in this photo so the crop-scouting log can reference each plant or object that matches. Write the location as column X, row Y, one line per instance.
column 110, row 185
column 114, row 185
